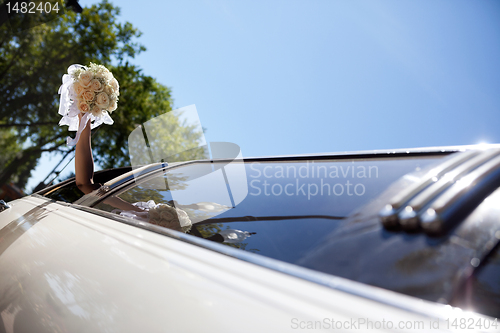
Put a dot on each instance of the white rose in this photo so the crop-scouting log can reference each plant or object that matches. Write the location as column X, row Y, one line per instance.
column 85, row 78
column 95, row 85
column 88, row 95
column 78, row 88
column 154, row 214
column 108, row 89
column 96, row 111
column 112, row 106
column 169, row 217
column 102, row 100
column 116, row 87
column 107, row 75
column 83, row 107
column 184, row 219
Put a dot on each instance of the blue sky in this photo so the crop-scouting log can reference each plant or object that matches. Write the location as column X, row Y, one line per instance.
column 294, row 77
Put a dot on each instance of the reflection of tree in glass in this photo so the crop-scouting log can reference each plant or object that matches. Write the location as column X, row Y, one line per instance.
column 195, row 214
column 146, row 191
column 173, row 140
column 177, row 180
column 210, row 229
column 138, row 194
column 197, row 153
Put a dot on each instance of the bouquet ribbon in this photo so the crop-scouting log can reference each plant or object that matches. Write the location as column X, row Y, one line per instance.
column 83, row 122
column 64, row 89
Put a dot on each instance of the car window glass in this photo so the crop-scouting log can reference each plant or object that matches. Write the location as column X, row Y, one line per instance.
column 288, row 194
column 67, row 193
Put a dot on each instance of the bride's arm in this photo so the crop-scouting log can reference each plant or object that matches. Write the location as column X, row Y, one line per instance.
column 84, row 162
column 84, row 170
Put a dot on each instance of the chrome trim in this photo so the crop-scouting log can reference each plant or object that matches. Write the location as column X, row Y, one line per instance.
column 4, row 206
column 409, row 216
column 134, row 173
column 102, row 190
column 437, row 217
column 389, row 214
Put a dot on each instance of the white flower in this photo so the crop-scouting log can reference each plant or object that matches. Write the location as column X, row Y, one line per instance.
column 83, row 107
column 112, row 105
column 78, row 88
column 85, row 78
column 96, row 111
column 184, row 219
column 92, row 90
column 169, row 217
column 88, row 95
column 96, row 85
column 115, row 86
column 107, row 75
column 102, row 100
column 108, row 89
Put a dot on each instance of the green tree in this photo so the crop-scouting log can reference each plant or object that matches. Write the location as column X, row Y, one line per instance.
column 32, row 64
column 11, row 148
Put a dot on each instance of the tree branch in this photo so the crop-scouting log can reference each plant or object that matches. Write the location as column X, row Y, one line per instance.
column 22, row 159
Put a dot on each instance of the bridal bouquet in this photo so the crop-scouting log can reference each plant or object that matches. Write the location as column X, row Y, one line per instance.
column 95, row 89
column 91, row 90
column 169, row 217
column 160, row 214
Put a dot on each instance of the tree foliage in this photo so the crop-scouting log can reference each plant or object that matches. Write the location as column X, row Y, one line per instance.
column 10, row 149
column 141, row 98
column 32, row 64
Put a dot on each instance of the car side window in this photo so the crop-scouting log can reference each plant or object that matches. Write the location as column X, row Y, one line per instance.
column 142, row 192
column 68, row 192
column 149, row 201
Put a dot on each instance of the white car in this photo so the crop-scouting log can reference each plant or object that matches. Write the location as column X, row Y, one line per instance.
column 378, row 241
